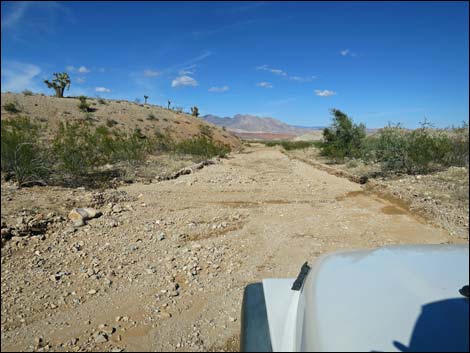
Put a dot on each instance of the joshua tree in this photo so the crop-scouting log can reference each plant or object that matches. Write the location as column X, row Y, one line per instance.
column 195, row 111
column 169, row 103
column 59, row 83
column 145, row 97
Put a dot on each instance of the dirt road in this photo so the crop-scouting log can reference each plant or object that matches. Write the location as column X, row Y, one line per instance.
column 255, row 215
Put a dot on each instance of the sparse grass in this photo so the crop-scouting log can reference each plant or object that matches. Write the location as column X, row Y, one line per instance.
column 11, row 107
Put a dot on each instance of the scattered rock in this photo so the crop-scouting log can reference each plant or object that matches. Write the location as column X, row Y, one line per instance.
column 100, row 337
column 79, row 216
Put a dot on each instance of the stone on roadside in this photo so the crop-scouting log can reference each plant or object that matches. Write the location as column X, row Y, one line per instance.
column 79, row 216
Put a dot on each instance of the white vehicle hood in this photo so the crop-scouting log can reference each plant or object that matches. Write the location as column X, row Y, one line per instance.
column 403, row 298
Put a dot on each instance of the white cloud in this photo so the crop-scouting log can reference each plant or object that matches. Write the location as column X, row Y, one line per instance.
column 33, row 18
column 184, row 81
column 302, row 79
column 81, row 80
column 17, row 76
column 185, row 72
column 16, row 14
column 282, row 73
column 274, row 71
column 83, row 70
column 151, row 73
column 219, row 89
column 347, row 52
column 264, row 85
column 102, row 89
column 324, row 93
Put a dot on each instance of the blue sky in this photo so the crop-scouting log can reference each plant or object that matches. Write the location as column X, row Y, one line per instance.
column 379, row 62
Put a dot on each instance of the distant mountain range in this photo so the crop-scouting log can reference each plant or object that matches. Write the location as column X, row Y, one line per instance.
column 245, row 123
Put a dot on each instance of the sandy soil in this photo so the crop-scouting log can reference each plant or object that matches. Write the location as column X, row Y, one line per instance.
column 118, row 286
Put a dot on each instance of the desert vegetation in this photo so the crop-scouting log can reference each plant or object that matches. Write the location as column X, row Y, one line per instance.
column 80, row 154
column 60, row 82
column 394, row 148
column 291, row 145
column 11, row 107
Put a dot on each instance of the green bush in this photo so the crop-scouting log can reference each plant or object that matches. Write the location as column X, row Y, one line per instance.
column 132, row 149
column 417, row 151
column 291, row 145
column 203, row 147
column 161, row 143
column 102, row 101
column 344, row 138
column 21, row 155
column 28, row 92
column 76, row 150
column 83, row 105
column 80, row 151
column 11, row 107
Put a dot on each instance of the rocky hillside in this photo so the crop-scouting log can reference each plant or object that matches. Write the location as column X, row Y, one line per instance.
column 116, row 114
column 254, row 124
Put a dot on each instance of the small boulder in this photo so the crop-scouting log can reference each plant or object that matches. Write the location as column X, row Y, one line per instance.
column 79, row 216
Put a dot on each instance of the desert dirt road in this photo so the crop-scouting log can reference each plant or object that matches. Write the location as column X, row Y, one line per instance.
column 255, row 215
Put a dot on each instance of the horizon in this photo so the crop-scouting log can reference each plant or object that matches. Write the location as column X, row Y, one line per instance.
column 380, row 63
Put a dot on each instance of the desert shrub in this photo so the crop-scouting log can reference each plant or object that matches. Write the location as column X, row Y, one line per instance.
column 206, row 130
column 417, row 151
column 161, row 143
column 291, row 145
column 295, row 145
column 76, row 150
column 202, row 146
column 151, row 117
column 22, row 156
column 79, row 151
column 11, row 107
column 83, row 105
column 132, row 149
column 344, row 138
column 111, row 122
column 27, row 92
column 458, row 154
column 102, row 101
